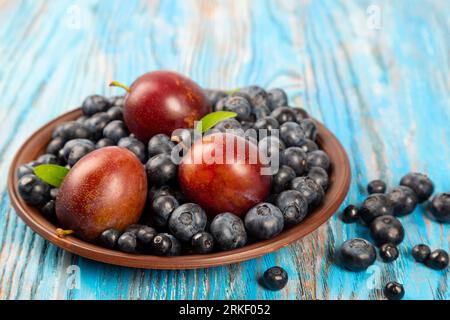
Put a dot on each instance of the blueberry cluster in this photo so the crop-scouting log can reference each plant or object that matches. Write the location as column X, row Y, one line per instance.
column 170, row 223
column 379, row 212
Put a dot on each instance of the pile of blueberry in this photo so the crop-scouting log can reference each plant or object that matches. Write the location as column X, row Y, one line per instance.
column 171, row 225
column 379, row 213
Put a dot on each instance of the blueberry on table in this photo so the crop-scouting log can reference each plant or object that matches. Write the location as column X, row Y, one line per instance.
column 394, row 291
column 281, row 180
column 175, row 248
column 115, row 113
column 320, row 176
column 437, row 260
column 187, row 220
column 161, row 170
column 439, row 207
column 312, row 191
column 376, row 186
column 161, row 208
column 420, row 184
column 94, row 104
column 145, row 234
column 310, row 129
column 374, row 206
column 357, row 254
column 55, row 145
column 264, row 221
column 33, row 190
column 104, row 142
column 24, row 170
column 115, row 130
column 308, row 146
column 158, row 144
column 403, row 199
column 295, row 158
column 161, row 245
column 275, row 278
column 135, row 146
column 228, row 231
column 421, row 252
column 277, row 97
column 350, row 214
column 97, row 123
column 318, row 158
column 293, row 206
column 240, row 106
column 202, row 242
column 283, row 114
column 109, row 238
column 387, row 229
column 389, row 252
column 127, row 242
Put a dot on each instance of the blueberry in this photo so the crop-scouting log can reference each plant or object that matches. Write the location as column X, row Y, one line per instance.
column 387, row 229
column 320, row 176
column 48, row 159
column 261, row 112
column 389, row 252
column 293, row 206
column 228, row 231
column 202, row 242
column 271, row 146
column 350, row 214
column 295, row 158
column 420, row 184
column 109, row 238
column 310, row 129
column 437, row 260
column 161, row 170
column 219, row 105
column 97, row 123
column 72, row 130
column 24, row 170
column 158, row 144
column 439, row 207
column 357, row 254
column 403, row 200
column 127, row 242
column 281, row 180
column 134, row 228
column 376, row 186
column 145, row 234
column 266, row 123
column 116, row 101
column 275, row 278
column 228, row 124
column 257, row 96
column 374, row 206
column 115, row 130
column 420, row 252
column 283, row 114
column 240, row 106
column 156, row 192
column 48, row 210
column 318, row 158
column 312, row 191
column 161, row 245
column 300, row 114
column 264, row 221
column 308, row 145
column 115, row 113
column 292, row 134
column 187, row 220
column 77, row 152
column 54, row 193
column 162, row 207
column 394, row 291
column 72, row 143
column 82, row 119
column 55, row 145
column 33, row 190
column 214, row 95
column 135, row 146
column 104, row 142
column 278, row 97
column 94, row 104
column 175, row 248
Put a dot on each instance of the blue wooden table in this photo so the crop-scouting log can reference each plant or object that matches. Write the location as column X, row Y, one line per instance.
column 376, row 72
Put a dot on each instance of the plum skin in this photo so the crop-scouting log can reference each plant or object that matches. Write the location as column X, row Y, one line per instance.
column 162, row 101
column 105, row 189
column 228, row 187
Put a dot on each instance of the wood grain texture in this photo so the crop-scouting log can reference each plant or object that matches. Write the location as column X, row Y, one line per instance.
column 384, row 92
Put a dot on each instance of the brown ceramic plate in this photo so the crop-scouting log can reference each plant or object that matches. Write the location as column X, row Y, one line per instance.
column 36, row 145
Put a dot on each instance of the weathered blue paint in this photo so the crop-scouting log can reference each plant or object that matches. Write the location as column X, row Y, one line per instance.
column 384, row 92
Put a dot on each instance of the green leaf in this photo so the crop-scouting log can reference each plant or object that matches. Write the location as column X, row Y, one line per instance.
column 51, row 174
column 211, row 119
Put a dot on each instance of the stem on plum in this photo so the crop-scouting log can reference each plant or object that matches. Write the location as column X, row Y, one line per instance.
column 62, row 233
column 120, row 85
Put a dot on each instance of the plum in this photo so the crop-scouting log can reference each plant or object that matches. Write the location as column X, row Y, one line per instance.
column 105, row 189
column 223, row 173
column 162, row 101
